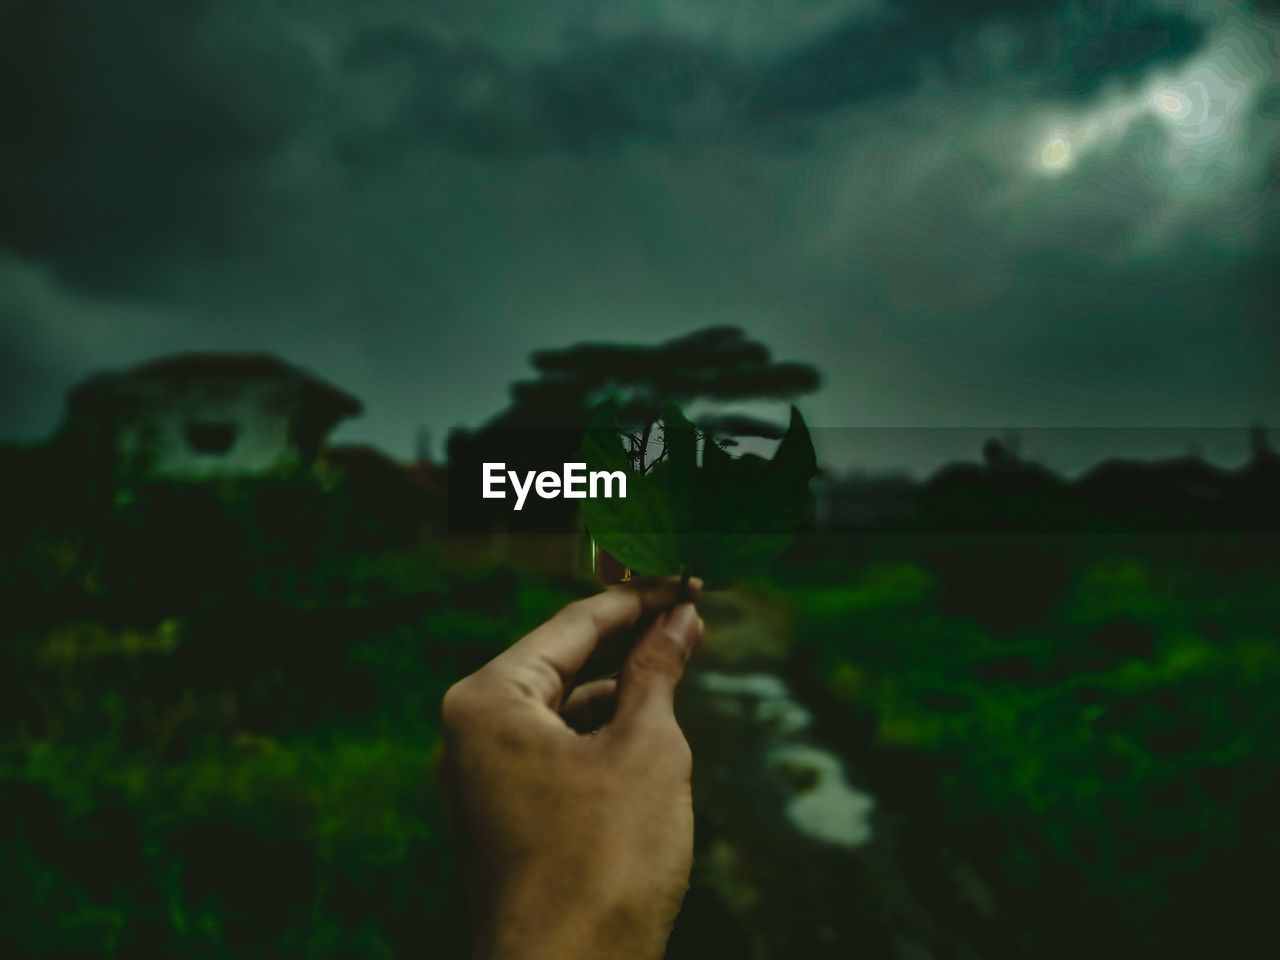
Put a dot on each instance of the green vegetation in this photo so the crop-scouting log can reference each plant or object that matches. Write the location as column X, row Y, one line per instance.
column 190, row 775
column 219, row 714
column 1110, row 758
column 724, row 519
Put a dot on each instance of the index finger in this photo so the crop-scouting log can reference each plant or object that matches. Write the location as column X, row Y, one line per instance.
column 547, row 660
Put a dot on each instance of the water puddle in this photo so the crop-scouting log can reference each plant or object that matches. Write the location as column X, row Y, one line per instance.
column 820, row 803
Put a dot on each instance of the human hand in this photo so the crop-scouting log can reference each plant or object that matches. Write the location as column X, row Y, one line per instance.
column 578, row 842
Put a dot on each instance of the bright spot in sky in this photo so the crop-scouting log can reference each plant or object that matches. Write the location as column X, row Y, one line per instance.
column 1056, row 154
column 1202, row 109
column 1171, row 103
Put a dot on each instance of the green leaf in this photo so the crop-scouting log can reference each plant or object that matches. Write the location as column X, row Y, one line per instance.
column 724, row 520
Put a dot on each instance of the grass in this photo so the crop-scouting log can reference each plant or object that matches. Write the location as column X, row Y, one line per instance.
column 245, row 770
column 186, row 790
column 1112, row 760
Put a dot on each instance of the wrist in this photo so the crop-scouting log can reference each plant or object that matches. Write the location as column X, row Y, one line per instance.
column 570, row 920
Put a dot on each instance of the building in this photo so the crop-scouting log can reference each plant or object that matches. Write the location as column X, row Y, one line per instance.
column 204, row 416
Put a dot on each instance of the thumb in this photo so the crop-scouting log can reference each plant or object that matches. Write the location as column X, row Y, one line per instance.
column 647, row 684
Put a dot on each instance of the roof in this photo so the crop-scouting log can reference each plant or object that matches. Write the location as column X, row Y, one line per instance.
column 231, row 366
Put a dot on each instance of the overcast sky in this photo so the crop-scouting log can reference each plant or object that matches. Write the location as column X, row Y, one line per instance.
column 990, row 213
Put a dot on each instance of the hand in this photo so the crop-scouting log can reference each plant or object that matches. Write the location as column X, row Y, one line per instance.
column 578, row 842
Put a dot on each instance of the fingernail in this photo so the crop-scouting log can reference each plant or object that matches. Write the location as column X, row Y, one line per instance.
column 680, row 623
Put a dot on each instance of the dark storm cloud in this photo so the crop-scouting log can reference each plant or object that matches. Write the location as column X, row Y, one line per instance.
column 1064, row 48
column 410, row 198
column 406, row 85
column 132, row 135
column 139, row 131
column 656, row 85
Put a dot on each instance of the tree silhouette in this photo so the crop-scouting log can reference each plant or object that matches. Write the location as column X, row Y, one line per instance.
column 540, row 429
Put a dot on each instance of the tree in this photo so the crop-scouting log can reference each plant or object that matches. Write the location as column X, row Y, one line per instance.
column 718, row 363
column 541, row 428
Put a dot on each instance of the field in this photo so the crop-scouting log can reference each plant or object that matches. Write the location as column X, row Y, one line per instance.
column 218, row 740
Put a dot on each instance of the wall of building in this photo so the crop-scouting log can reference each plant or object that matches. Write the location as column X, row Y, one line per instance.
column 205, row 429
